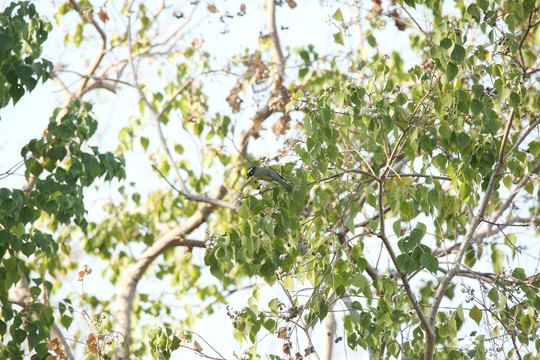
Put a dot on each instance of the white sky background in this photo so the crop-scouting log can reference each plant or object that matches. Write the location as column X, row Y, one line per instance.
column 307, row 24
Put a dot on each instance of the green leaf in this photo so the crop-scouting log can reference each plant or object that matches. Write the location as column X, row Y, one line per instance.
column 338, row 16
column 519, row 273
column 508, row 181
column 289, row 105
column 445, row 132
column 144, row 142
column 447, row 43
column 407, row 244
column 478, row 90
column 27, row 215
column 273, row 304
column 407, row 263
column 458, row 54
column 28, row 248
column 473, row 11
column 360, row 281
column 451, row 72
column 411, row 3
column 338, row 38
column 440, row 161
column 243, row 211
column 430, row 262
column 463, row 140
column 66, row 321
column 350, row 226
column 476, row 314
column 528, row 6
column 397, row 227
column 493, row 295
column 270, row 324
column 483, row 4
column 248, row 244
column 534, row 148
column 298, row 94
column 497, row 260
column 476, row 107
column 238, row 336
column 515, row 100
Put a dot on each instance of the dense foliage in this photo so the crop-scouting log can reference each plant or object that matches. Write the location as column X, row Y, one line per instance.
column 410, row 229
column 22, row 32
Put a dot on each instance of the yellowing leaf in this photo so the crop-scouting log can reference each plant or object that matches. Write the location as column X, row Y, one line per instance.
column 476, row 314
column 288, row 283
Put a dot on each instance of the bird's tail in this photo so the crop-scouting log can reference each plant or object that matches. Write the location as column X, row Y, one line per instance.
column 285, row 185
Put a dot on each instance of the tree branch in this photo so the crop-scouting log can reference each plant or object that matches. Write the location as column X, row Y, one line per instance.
column 157, row 121
column 522, row 138
column 445, row 282
column 87, row 16
column 430, row 331
column 276, row 46
column 176, row 236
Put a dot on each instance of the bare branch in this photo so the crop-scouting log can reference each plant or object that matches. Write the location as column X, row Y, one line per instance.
column 530, row 25
column 68, row 95
column 426, row 34
column 276, row 46
column 87, row 16
column 198, row 198
column 300, row 321
column 157, row 121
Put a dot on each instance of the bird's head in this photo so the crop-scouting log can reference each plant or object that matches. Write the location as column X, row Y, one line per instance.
column 251, row 171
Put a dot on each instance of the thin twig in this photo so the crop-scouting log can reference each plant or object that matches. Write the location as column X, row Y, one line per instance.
column 300, row 320
column 102, row 50
column 157, row 121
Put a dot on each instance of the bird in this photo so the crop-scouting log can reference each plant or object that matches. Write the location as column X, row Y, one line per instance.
column 267, row 176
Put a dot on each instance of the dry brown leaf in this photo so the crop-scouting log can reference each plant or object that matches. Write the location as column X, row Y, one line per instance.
column 87, row 16
column 234, row 99
column 286, row 348
column 291, row 3
column 103, row 15
column 196, row 346
column 87, row 269
column 309, row 350
column 196, row 43
column 57, row 347
column 257, row 69
column 92, row 343
column 282, row 332
column 242, row 11
column 375, row 10
column 298, row 356
column 400, row 24
column 281, row 126
column 212, row 8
